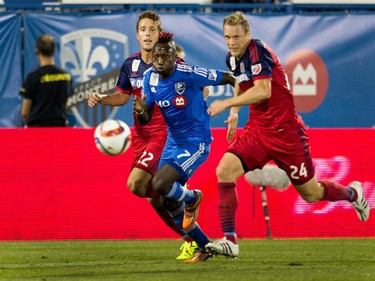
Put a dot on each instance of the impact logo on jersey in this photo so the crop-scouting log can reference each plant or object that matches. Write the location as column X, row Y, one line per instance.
column 180, row 87
column 180, row 101
column 93, row 57
column 256, row 69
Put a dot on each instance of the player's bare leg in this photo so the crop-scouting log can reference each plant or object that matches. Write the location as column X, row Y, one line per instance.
column 314, row 191
column 228, row 171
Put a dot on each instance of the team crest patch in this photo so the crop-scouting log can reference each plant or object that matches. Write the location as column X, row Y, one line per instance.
column 180, row 88
column 256, row 69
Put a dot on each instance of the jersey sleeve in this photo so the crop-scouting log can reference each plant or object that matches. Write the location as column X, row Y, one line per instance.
column 262, row 63
column 206, row 77
column 123, row 84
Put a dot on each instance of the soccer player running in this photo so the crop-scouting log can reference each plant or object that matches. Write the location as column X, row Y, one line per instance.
column 274, row 131
column 148, row 141
column 177, row 90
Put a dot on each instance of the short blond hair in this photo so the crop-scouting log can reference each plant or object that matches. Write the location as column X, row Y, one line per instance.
column 237, row 18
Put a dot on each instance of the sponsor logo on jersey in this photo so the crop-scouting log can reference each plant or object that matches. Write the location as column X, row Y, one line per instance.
column 242, row 78
column 163, row 103
column 180, row 101
column 180, row 87
column 256, row 69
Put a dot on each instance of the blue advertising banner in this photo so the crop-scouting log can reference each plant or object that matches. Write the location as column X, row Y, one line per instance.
column 11, row 78
column 328, row 59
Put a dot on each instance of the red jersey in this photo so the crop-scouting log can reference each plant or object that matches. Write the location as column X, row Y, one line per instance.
column 259, row 62
column 130, row 81
column 274, row 130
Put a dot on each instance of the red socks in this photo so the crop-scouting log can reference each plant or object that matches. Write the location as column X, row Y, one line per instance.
column 336, row 192
column 227, row 195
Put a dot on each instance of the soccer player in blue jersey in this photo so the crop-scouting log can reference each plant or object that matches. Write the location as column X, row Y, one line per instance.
column 176, row 89
column 148, row 141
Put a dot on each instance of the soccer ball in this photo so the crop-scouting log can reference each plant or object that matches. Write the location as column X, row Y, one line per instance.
column 112, row 137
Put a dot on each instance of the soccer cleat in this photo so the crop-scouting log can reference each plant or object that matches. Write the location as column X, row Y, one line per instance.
column 199, row 256
column 223, row 247
column 191, row 212
column 361, row 205
column 187, row 250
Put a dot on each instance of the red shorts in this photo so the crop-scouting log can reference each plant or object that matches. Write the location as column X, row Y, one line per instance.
column 147, row 153
column 288, row 148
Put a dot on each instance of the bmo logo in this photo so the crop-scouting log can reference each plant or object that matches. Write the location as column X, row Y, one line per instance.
column 308, row 79
column 163, row 103
column 180, row 101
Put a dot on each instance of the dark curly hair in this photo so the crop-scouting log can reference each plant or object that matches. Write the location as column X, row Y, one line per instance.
column 165, row 37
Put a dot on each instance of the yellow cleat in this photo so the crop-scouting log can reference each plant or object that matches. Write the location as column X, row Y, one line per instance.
column 187, row 250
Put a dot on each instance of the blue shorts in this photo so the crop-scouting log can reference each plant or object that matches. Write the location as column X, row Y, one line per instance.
column 185, row 158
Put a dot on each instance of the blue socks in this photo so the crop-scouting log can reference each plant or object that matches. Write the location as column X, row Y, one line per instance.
column 179, row 193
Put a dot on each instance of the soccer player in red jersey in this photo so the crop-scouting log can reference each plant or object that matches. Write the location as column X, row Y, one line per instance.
column 274, row 131
column 148, row 141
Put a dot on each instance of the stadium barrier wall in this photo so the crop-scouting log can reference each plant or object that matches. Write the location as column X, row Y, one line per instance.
column 330, row 73
column 55, row 184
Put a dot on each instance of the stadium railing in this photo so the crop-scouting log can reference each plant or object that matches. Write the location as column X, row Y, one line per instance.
column 268, row 6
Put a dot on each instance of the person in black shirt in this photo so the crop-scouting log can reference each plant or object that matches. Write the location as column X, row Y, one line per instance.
column 46, row 90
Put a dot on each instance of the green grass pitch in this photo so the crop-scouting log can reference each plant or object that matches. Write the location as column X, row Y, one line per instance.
column 154, row 260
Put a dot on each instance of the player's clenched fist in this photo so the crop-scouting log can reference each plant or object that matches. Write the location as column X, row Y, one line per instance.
column 94, row 99
column 138, row 104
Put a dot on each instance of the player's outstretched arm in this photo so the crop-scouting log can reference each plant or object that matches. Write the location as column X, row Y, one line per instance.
column 115, row 99
column 228, row 78
column 232, row 120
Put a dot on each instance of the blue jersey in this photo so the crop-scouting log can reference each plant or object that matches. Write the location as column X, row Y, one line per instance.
column 180, row 99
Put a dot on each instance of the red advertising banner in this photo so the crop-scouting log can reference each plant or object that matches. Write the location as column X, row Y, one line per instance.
column 55, row 184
